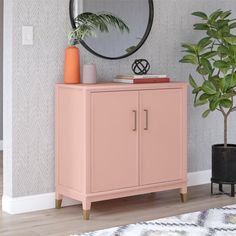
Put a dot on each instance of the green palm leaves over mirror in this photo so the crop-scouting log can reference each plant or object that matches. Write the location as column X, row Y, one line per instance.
column 88, row 23
column 215, row 59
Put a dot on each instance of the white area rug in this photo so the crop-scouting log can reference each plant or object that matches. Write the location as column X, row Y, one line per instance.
column 213, row 222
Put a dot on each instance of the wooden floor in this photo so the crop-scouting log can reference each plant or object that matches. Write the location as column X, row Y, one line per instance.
column 108, row 213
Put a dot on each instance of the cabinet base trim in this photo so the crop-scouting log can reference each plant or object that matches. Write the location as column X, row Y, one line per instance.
column 47, row 201
column 94, row 197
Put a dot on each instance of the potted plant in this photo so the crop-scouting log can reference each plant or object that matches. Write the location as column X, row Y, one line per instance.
column 214, row 57
column 87, row 24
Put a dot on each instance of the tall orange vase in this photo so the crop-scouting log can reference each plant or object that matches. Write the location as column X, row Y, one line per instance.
column 72, row 65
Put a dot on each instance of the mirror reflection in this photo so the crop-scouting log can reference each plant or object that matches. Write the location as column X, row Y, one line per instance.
column 116, row 44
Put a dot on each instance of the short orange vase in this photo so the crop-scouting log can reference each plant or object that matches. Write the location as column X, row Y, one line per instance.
column 72, row 65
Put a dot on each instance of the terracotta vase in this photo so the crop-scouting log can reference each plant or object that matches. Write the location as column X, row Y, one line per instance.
column 72, row 65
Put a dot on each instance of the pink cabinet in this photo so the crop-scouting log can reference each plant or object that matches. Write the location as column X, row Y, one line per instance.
column 114, row 141
column 161, row 142
column 117, row 140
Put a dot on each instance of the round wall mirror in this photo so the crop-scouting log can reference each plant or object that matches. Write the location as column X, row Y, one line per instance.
column 138, row 16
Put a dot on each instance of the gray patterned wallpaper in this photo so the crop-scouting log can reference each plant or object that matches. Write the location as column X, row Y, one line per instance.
column 37, row 68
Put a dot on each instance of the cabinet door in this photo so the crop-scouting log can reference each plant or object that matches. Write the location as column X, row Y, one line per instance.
column 161, row 143
column 114, row 151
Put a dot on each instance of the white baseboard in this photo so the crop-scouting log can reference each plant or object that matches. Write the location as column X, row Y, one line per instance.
column 1, row 145
column 47, row 201
column 199, row 178
column 32, row 203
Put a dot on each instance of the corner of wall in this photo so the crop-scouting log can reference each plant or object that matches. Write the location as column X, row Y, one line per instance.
column 7, row 96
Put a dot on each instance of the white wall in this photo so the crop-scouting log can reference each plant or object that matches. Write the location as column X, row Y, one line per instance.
column 32, row 71
column 1, row 72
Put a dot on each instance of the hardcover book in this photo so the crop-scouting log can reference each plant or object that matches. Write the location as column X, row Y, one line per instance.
column 142, row 81
column 140, row 76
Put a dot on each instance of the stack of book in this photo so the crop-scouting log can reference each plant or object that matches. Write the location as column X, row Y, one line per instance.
column 140, row 79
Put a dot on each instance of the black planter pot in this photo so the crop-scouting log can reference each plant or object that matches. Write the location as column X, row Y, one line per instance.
column 224, row 166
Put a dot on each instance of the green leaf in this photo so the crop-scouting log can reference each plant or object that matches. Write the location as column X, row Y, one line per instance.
column 204, row 96
column 232, row 61
column 216, row 82
column 222, row 51
column 221, row 64
column 192, row 48
column 209, row 88
column 209, row 55
column 222, row 24
column 224, row 71
column 232, row 51
column 224, row 84
column 201, row 70
column 200, row 102
column 213, row 33
column 226, row 103
column 233, row 81
column 213, row 17
column 200, row 14
column 192, row 59
column 206, row 113
column 214, row 79
column 214, row 104
column 229, row 94
column 204, row 42
column 192, row 82
column 207, row 65
column 227, row 83
column 225, row 14
column 232, row 26
column 201, row 26
column 231, row 39
column 196, row 90
column 225, row 31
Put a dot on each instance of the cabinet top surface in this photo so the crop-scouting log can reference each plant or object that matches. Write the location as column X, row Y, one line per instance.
column 122, row 86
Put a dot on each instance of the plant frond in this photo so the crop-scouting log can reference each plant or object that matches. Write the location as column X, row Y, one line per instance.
column 87, row 23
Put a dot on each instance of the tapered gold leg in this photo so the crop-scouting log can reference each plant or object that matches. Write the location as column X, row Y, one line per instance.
column 86, row 214
column 58, row 204
column 184, row 197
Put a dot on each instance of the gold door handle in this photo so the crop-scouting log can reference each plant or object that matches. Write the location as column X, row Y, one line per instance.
column 135, row 120
column 146, row 112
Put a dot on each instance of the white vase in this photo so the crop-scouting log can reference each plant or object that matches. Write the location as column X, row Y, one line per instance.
column 89, row 74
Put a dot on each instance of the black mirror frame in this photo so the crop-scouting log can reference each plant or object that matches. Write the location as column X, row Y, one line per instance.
column 147, row 32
